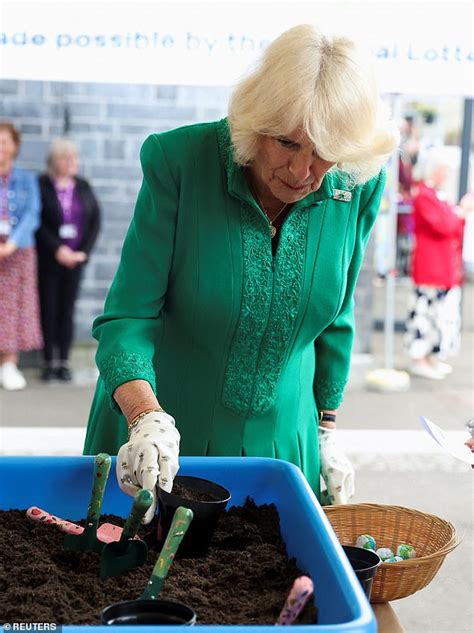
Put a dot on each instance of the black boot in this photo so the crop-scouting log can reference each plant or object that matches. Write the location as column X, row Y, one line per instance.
column 63, row 373
column 48, row 374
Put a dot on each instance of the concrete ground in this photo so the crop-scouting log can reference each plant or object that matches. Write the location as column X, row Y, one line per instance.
column 396, row 461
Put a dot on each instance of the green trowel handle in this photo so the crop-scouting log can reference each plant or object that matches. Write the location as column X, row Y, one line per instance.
column 101, row 474
column 142, row 501
column 179, row 526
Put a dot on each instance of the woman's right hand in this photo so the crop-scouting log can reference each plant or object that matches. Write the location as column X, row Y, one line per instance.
column 7, row 249
column 467, row 202
column 150, row 457
column 465, row 206
column 66, row 257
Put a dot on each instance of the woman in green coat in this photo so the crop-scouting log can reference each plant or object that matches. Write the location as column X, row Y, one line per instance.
column 232, row 306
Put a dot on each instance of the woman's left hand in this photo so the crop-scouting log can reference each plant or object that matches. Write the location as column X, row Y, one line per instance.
column 336, row 469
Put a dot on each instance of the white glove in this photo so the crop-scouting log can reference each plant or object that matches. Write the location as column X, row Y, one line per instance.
column 150, row 456
column 336, row 470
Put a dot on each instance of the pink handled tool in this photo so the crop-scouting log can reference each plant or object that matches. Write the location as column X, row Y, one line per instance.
column 107, row 532
column 299, row 595
column 41, row 516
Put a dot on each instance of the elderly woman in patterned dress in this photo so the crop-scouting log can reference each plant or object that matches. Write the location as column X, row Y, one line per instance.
column 20, row 328
column 232, row 307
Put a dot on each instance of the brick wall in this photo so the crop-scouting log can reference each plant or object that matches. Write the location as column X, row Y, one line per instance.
column 109, row 123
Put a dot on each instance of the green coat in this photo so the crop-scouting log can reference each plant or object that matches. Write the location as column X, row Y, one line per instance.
column 241, row 347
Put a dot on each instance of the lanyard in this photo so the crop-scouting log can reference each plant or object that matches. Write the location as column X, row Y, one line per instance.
column 65, row 197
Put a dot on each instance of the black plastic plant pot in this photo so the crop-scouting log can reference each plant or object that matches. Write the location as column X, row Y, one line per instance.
column 365, row 563
column 208, row 504
column 149, row 612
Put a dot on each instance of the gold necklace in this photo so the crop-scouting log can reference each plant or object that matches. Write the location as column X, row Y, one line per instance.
column 273, row 229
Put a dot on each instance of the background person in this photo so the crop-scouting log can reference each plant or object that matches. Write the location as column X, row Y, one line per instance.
column 409, row 152
column 19, row 216
column 434, row 319
column 70, row 222
column 232, row 307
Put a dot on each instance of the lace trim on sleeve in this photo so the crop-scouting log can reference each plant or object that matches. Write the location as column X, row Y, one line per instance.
column 329, row 395
column 124, row 367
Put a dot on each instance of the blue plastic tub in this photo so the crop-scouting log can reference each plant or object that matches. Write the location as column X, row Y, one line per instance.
column 62, row 486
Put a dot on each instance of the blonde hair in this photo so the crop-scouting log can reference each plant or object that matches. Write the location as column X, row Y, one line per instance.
column 325, row 85
column 58, row 147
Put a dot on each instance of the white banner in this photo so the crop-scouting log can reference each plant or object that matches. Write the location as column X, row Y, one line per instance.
column 418, row 47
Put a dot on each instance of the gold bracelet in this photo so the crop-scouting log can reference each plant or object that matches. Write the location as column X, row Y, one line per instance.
column 140, row 417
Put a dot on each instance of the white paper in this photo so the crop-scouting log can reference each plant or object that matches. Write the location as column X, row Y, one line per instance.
column 459, row 451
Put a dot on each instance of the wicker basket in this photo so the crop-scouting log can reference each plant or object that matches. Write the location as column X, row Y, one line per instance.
column 431, row 536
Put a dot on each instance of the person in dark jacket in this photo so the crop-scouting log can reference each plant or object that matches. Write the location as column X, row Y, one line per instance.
column 70, row 222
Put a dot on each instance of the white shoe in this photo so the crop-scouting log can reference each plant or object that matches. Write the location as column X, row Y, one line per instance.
column 425, row 370
column 12, row 378
column 443, row 368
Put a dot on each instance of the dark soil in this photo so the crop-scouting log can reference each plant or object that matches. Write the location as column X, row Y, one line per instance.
column 192, row 494
column 244, row 579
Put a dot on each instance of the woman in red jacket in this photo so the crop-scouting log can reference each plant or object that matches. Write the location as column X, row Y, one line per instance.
column 433, row 325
